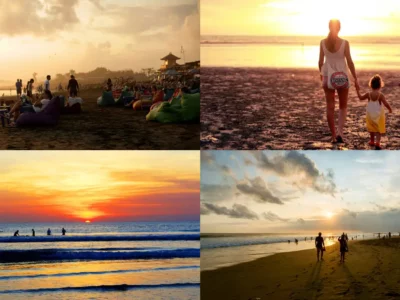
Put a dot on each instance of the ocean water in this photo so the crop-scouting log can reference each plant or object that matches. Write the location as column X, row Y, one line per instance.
column 218, row 250
column 295, row 52
column 100, row 261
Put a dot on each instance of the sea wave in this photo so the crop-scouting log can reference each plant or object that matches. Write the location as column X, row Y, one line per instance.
column 62, row 254
column 97, row 273
column 150, row 237
column 119, row 287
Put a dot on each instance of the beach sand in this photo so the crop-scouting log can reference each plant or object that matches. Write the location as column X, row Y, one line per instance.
column 102, row 128
column 259, row 108
column 371, row 271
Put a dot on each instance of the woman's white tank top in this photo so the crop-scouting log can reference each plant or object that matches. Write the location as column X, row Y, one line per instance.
column 336, row 61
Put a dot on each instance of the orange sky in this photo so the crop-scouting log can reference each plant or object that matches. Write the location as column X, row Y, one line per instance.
column 299, row 17
column 99, row 186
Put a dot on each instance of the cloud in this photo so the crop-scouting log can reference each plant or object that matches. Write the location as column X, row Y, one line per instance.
column 32, row 17
column 294, row 163
column 273, row 217
column 214, row 192
column 97, row 4
column 350, row 213
column 237, row 211
column 257, row 189
column 301, row 221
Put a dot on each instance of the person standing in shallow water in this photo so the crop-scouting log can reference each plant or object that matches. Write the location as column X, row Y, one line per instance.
column 319, row 244
column 334, row 62
column 63, row 231
column 48, row 231
column 33, row 232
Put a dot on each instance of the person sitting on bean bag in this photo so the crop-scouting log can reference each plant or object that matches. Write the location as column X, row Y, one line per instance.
column 25, row 106
column 158, row 96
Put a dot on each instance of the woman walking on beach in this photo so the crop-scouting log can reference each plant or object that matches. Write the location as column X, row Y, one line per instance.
column 334, row 62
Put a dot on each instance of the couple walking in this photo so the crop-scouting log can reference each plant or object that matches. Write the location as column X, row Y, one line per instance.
column 320, row 245
column 335, row 61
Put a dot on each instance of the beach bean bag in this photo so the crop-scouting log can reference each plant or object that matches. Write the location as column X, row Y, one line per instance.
column 164, row 112
column 190, row 107
column 74, row 109
column 176, row 101
column 106, row 99
column 49, row 116
column 123, row 95
column 142, row 104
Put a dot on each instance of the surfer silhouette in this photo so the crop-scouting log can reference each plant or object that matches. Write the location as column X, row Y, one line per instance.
column 63, row 231
column 48, row 231
column 16, row 233
column 33, row 232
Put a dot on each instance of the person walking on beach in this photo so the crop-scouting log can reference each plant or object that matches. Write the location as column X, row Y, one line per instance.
column 48, row 231
column 334, row 75
column 16, row 233
column 343, row 246
column 47, row 83
column 375, row 112
column 320, row 245
column 73, row 87
column 33, row 232
column 18, row 86
column 63, row 231
column 30, row 88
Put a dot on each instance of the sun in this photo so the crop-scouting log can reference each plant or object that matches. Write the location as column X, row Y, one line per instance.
column 87, row 221
column 328, row 214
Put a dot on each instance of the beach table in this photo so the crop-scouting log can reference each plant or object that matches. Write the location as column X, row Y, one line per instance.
column 3, row 111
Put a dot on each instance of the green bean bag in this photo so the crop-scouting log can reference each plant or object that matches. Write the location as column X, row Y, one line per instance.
column 165, row 113
column 190, row 104
column 120, row 100
column 106, row 100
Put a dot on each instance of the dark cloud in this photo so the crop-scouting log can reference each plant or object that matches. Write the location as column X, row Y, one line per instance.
column 273, row 217
column 294, row 163
column 32, row 17
column 237, row 211
column 214, row 192
column 257, row 189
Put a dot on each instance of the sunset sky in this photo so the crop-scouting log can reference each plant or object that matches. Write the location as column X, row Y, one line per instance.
column 55, row 36
column 280, row 191
column 76, row 186
column 299, row 17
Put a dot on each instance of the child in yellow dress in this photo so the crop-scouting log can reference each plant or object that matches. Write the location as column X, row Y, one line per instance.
column 375, row 111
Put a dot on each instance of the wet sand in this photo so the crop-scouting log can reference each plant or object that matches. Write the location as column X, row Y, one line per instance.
column 102, row 128
column 371, row 271
column 259, row 108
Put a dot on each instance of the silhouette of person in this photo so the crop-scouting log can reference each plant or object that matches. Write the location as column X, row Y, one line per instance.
column 320, row 245
column 33, row 232
column 16, row 233
column 343, row 246
column 48, row 231
column 390, row 235
column 288, row 241
column 296, row 241
column 63, row 231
